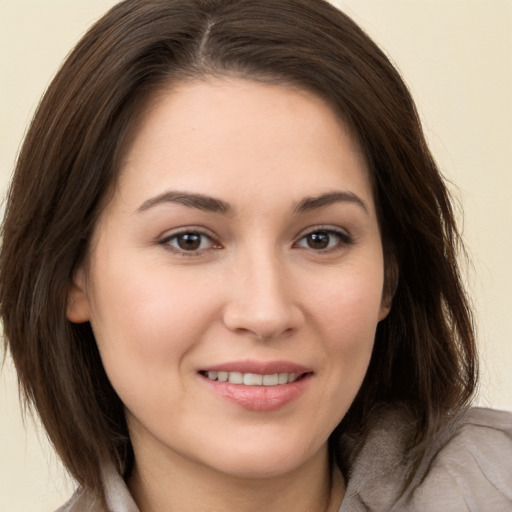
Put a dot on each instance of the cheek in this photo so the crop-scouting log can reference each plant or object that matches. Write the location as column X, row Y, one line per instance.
column 350, row 303
column 346, row 313
column 146, row 320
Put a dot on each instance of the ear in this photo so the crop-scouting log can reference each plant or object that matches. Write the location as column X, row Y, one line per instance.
column 77, row 309
column 391, row 276
column 385, row 306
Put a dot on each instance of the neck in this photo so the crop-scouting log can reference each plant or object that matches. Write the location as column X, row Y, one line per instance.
column 163, row 486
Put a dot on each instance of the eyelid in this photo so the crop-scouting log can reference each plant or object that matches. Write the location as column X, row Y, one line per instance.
column 324, row 227
column 164, row 240
column 345, row 237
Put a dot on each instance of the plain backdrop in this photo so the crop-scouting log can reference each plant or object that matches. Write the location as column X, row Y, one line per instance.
column 456, row 56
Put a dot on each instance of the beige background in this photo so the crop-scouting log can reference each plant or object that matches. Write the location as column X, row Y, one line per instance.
column 456, row 55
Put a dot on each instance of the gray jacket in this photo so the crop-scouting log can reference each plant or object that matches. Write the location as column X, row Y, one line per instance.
column 467, row 469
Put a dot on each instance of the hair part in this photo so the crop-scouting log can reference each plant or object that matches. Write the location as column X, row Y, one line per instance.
column 424, row 354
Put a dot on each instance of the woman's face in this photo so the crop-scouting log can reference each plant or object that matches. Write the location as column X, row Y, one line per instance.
column 241, row 243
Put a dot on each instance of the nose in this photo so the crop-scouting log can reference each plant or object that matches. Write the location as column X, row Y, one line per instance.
column 262, row 300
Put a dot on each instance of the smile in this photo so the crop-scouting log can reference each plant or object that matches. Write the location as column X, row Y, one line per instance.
column 252, row 379
column 258, row 385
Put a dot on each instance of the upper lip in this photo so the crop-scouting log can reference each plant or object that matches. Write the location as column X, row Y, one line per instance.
column 258, row 367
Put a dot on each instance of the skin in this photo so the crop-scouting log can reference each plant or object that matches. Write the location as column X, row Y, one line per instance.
column 257, row 288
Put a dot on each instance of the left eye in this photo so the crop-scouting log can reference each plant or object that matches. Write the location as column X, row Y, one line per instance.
column 189, row 241
column 322, row 240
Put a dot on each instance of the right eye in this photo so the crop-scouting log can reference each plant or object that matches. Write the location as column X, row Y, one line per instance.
column 189, row 242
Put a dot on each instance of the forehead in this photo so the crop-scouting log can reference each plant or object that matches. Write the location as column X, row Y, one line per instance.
column 206, row 135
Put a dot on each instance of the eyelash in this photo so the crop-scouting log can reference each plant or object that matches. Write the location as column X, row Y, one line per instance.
column 191, row 232
column 344, row 240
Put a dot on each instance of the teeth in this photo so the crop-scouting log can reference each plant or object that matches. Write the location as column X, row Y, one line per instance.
column 270, row 380
column 236, row 377
column 252, row 379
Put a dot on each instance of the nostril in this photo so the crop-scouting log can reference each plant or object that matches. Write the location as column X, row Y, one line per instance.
column 264, row 326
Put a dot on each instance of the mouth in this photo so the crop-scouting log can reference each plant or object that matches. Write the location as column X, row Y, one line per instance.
column 258, row 385
column 254, row 379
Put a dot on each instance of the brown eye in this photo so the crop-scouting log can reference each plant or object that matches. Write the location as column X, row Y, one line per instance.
column 318, row 240
column 189, row 241
column 323, row 239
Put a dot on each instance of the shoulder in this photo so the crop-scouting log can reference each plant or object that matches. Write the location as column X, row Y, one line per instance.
column 117, row 496
column 468, row 467
column 81, row 501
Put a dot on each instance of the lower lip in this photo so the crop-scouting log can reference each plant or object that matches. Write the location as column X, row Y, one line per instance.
column 260, row 398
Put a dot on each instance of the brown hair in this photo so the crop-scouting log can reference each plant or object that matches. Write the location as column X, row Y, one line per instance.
column 424, row 354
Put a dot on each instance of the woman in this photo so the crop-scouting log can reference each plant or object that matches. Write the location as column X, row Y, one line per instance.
column 229, row 278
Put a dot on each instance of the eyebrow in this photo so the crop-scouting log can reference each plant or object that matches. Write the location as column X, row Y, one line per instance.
column 211, row 204
column 314, row 202
column 199, row 201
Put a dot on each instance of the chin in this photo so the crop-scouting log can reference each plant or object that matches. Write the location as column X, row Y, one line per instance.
column 271, row 459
